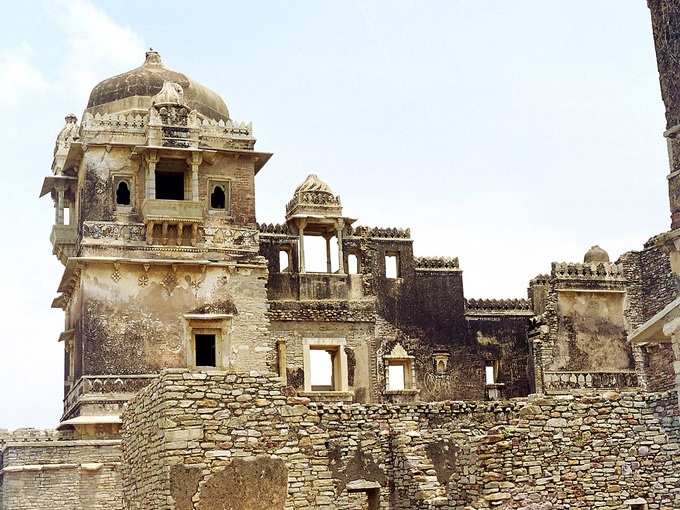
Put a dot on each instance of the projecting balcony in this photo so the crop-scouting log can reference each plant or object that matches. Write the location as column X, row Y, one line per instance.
column 63, row 239
column 166, row 220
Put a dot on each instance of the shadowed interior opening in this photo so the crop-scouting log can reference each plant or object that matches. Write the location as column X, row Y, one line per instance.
column 205, row 351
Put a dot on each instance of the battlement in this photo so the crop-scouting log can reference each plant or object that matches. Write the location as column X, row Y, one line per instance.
column 274, row 228
column 436, row 263
column 522, row 306
column 379, row 232
column 587, row 271
column 540, row 279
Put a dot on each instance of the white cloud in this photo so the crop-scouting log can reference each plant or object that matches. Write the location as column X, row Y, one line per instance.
column 19, row 77
column 97, row 46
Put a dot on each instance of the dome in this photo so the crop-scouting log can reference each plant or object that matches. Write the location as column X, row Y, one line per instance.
column 313, row 183
column 134, row 90
column 595, row 254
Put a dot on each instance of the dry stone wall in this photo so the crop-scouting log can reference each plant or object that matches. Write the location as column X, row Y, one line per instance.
column 215, row 440
column 45, row 469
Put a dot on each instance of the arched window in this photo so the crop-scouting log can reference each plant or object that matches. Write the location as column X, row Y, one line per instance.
column 123, row 193
column 218, row 198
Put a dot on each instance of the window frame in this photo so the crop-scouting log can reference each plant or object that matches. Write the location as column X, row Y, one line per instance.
column 339, row 378
column 219, row 325
column 226, row 185
column 129, row 179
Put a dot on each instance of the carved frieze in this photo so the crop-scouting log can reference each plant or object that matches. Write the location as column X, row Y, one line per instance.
column 114, row 231
column 230, row 237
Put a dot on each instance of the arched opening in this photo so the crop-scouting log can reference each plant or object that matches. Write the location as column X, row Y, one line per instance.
column 123, row 193
column 218, row 198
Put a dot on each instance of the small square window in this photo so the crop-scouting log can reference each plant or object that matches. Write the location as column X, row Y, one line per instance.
column 206, row 355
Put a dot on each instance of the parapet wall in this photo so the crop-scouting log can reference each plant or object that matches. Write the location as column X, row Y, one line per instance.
column 46, row 469
column 192, row 440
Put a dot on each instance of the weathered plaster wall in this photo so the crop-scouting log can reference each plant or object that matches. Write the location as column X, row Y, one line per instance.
column 47, row 470
column 185, row 430
column 591, row 334
column 503, row 339
column 133, row 317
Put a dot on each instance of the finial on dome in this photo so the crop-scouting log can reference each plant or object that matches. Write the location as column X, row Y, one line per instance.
column 595, row 254
column 71, row 118
column 152, row 58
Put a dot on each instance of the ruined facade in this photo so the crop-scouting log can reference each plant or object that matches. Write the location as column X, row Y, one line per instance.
column 207, row 365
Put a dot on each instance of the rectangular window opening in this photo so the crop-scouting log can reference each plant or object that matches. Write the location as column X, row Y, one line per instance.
column 67, row 215
column 396, row 376
column 392, row 266
column 284, row 261
column 352, row 264
column 321, row 369
column 318, row 254
column 205, row 351
column 169, row 185
column 490, row 373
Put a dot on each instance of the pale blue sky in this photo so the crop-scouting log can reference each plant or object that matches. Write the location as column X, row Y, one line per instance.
column 508, row 133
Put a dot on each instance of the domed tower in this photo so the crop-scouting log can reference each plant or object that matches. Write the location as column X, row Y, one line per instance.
column 155, row 223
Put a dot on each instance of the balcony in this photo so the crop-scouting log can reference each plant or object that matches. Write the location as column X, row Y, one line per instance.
column 166, row 220
column 315, row 286
column 63, row 239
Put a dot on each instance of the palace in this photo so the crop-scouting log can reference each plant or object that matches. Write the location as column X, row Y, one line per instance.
column 213, row 362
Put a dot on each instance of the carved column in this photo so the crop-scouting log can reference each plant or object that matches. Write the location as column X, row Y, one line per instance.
column 195, row 161
column 329, row 266
column 301, row 243
column 59, row 206
column 150, row 181
column 341, row 256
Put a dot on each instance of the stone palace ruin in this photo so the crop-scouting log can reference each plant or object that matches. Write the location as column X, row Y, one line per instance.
column 207, row 367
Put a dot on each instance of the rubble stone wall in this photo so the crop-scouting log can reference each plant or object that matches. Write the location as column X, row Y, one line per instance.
column 190, row 440
column 43, row 470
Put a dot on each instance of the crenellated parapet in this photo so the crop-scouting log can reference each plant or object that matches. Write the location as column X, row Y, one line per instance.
column 436, row 263
column 274, row 228
column 588, row 271
column 378, row 232
column 498, row 306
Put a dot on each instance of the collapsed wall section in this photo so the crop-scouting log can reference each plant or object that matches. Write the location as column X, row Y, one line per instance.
column 194, row 440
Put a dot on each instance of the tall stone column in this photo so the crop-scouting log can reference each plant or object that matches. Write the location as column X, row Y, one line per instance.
column 59, row 208
column 301, row 245
column 672, row 330
column 666, row 27
column 150, row 181
column 195, row 161
column 329, row 266
column 341, row 256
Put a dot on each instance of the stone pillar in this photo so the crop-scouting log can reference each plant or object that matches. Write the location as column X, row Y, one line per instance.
column 282, row 350
column 329, row 266
column 641, row 362
column 301, row 245
column 341, row 256
column 195, row 161
column 59, row 208
column 672, row 330
column 150, row 181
